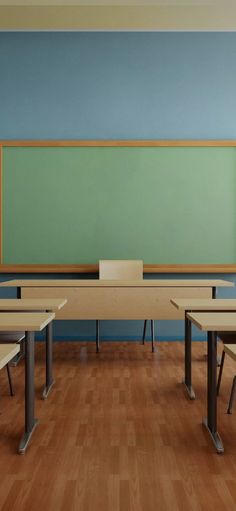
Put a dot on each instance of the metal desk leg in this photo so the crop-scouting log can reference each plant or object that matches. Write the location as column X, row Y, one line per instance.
column 97, row 336
column 188, row 358
column 30, row 421
column 49, row 355
column 211, row 421
column 15, row 361
column 218, row 360
column 153, row 335
column 144, row 331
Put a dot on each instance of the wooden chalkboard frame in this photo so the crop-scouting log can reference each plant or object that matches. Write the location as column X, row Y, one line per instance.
column 92, row 268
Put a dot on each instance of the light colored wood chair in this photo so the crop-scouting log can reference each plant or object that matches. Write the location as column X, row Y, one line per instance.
column 7, row 353
column 226, row 338
column 112, row 269
column 121, row 270
column 229, row 347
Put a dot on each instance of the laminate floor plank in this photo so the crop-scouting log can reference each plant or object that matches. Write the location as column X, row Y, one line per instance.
column 117, row 433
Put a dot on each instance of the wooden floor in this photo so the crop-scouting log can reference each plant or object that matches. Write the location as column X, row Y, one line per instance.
column 117, row 433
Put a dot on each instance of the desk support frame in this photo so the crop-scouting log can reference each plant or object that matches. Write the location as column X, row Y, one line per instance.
column 49, row 354
column 21, row 353
column 152, row 333
column 97, row 335
column 30, row 420
column 210, row 422
column 187, row 381
column 49, row 360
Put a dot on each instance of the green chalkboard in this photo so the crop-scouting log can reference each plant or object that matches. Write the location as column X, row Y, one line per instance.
column 164, row 205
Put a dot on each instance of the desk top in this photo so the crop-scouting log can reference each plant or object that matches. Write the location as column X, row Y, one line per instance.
column 32, row 304
column 7, row 352
column 204, row 304
column 118, row 283
column 24, row 321
column 214, row 321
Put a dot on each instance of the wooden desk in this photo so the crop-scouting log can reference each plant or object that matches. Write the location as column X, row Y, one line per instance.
column 4, row 353
column 32, row 304
column 30, row 323
column 186, row 305
column 38, row 305
column 211, row 323
column 117, row 299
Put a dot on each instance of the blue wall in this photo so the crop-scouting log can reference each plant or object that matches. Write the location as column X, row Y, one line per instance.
column 117, row 85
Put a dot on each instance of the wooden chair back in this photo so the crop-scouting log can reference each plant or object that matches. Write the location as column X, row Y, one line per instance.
column 121, row 269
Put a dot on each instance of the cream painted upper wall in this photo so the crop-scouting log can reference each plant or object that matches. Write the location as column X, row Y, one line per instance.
column 216, row 15
column 144, row 3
